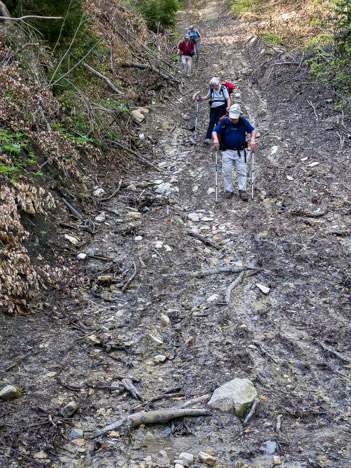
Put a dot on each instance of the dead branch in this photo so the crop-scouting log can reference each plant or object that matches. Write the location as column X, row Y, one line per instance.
column 203, row 239
column 114, row 193
column 104, row 78
column 73, row 210
column 314, row 109
column 252, row 411
column 201, row 274
column 264, row 351
column 138, row 155
column 145, row 66
column 152, row 417
column 335, row 353
column 127, row 283
column 233, row 285
column 196, row 400
column 7, row 18
column 127, row 384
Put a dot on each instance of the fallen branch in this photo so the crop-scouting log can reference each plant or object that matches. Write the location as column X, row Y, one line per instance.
column 106, row 80
column 145, row 66
column 127, row 384
column 252, row 411
column 201, row 274
column 152, row 417
column 196, row 400
column 7, row 18
column 203, row 239
column 335, row 353
column 233, row 285
column 138, row 155
column 127, row 283
column 264, row 351
column 314, row 109
column 114, row 193
column 73, row 210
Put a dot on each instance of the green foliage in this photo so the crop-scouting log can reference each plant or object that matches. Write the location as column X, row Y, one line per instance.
column 50, row 29
column 158, row 12
column 271, row 38
column 342, row 23
column 244, row 6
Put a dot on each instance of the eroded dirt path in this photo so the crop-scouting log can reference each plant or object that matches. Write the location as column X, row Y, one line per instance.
column 291, row 232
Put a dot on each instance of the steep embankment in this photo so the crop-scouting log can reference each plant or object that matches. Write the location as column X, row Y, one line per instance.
column 156, row 311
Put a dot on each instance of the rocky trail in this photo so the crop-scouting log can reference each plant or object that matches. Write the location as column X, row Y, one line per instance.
column 157, row 328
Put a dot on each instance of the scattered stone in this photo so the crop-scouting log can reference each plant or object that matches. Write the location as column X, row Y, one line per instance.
column 93, row 339
column 274, row 149
column 314, row 164
column 236, row 395
column 159, row 245
column 167, row 248
column 134, row 214
column 160, row 358
column 101, row 217
column 164, row 188
column 263, row 288
column 194, row 217
column 269, row 447
column 79, row 442
column 186, row 458
column 213, row 298
column 76, row 434
column 98, row 192
column 156, row 338
column 69, row 409
column 207, row 459
column 178, row 465
column 139, row 114
column 10, row 392
column 165, row 319
column 82, row 256
column 138, row 238
column 40, row 455
column 71, row 239
column 277, row 460
column 141, row 136
column 210, row 190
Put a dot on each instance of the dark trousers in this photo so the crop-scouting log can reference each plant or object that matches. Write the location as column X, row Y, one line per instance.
column 215, row 114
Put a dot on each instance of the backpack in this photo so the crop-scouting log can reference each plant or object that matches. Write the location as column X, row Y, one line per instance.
column 222, row 147
column 223, row 85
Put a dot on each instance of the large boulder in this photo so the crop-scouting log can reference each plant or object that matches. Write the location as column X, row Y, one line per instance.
column 234, row 396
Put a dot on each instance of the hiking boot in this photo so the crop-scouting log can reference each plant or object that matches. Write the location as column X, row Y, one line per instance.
column 228, row 194
column 243, row 195
column 207, row 141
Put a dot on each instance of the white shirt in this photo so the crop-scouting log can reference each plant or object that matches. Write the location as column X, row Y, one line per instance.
column 219, row 95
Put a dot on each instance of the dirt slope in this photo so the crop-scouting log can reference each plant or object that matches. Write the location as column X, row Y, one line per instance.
column 296, row 232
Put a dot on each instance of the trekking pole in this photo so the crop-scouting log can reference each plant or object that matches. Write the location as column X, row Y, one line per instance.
column 216, row 166
column 252, row 173
column 196, row 117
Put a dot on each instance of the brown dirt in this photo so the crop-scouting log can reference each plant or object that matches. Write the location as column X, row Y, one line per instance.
column 274, row 340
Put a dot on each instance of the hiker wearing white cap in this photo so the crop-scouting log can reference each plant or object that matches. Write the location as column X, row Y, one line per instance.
column 229, row 136
column 219, row 104
column 196, row 38
column 186, row 49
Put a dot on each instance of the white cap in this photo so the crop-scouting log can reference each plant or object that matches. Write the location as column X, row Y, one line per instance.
column 234, row 111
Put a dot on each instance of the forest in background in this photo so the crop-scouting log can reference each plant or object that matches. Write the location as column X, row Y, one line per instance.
column 69, row 86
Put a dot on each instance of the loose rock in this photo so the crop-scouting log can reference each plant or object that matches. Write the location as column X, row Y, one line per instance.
column 69, row 409
column 236, row 395
column 10, row 392
column 207, row 459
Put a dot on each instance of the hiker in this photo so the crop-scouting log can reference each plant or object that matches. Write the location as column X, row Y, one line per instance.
column 186, row 49
column 232, row 142
column 219, row 105
column 196, row 38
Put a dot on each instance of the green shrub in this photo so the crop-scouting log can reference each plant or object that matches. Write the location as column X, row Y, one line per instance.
column 50, row 28
column 158, row 12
